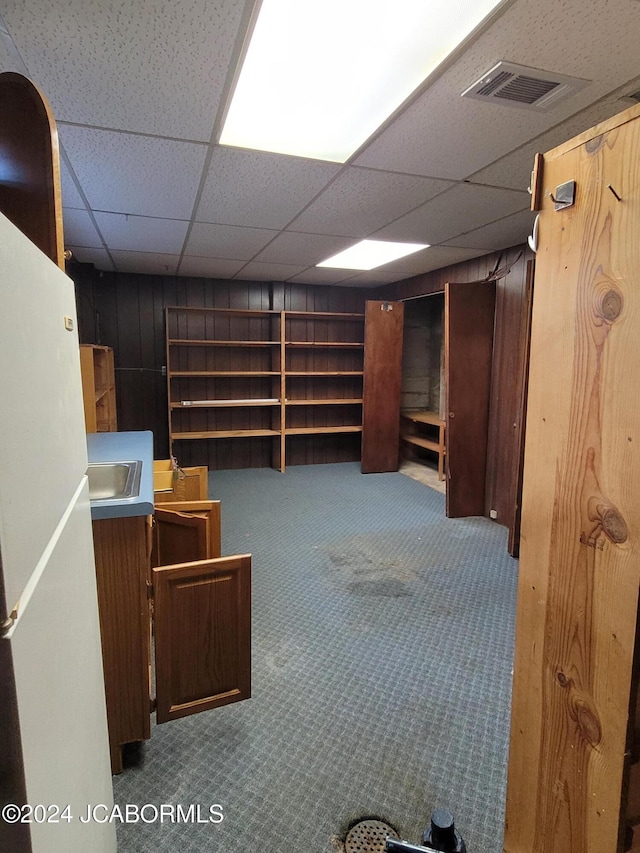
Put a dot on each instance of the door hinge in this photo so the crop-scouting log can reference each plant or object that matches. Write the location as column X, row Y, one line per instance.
column 153, row 705
column 150, row 590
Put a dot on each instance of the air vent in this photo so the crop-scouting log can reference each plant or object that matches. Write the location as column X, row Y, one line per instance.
column 527, row 88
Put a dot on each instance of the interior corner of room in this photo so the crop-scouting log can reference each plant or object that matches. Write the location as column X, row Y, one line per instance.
column 363, row 539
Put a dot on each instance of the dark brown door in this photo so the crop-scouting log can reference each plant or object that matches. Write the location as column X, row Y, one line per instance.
column 469, row 319
column 202, row 630
column 382, row 383
column 513, row 545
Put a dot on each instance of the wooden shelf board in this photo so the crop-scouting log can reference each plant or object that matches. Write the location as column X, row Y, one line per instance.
column 212, row 404
column 224, row 433
column 421, row 442
column 324, row 373
column 192, row 342
column 321, row 430
column 249, row 312
column 195, row 374
column 322, row 315
column 325, row 344
column 346, row 401
column 423, row 417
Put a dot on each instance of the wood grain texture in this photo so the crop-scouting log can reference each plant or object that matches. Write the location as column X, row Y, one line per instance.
column 382, row 386
column 29, row 144
column 120, row 546
column 202, row 635
column 579, row 568
column 469, row 324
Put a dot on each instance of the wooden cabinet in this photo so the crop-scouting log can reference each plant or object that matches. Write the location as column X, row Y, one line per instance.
column 263, row 374
column 98, row 388
column 201, row 620
column 425, row 431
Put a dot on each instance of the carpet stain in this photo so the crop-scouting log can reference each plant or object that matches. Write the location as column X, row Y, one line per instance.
column 372, row 565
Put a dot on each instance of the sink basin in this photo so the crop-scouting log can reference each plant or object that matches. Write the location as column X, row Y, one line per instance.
column 114, row 481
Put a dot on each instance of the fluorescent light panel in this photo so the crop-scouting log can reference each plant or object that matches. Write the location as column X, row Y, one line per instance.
column 369, row 254
column 320, row 76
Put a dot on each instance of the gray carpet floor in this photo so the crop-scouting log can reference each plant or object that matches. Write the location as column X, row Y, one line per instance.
column 382, row 657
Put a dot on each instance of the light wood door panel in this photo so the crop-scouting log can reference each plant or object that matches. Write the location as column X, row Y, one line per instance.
column 186, row 531
column 580, row 533
column 382, row 383
column 469, row 321
column 202, row 635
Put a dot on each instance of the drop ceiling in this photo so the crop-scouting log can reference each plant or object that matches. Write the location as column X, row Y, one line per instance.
column 138, row 91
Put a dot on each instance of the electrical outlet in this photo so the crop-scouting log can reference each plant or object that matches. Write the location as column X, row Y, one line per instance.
column 493, row 513
column 164, row 369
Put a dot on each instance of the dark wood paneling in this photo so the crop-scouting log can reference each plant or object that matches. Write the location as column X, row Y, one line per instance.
column 382, row 385
column 506, row 395
column 126, row 312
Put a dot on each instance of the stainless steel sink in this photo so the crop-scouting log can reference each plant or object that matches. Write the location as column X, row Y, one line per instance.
column 114, row 481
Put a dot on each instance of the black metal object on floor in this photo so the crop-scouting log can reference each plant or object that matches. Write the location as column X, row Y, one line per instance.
column 441, row 836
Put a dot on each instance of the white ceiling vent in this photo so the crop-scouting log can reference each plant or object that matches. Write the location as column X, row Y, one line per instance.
column 527, row 88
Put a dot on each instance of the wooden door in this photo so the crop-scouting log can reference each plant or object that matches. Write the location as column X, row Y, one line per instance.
column 202, row 630
column 469, row 319
column 515, row 520
column 580, row 539
column 382, row 384
column 186, row 531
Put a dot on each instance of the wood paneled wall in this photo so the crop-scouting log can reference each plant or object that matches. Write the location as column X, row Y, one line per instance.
column 506, row 381
column 126, row 312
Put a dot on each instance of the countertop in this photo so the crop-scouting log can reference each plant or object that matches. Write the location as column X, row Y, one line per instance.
column 119, row 447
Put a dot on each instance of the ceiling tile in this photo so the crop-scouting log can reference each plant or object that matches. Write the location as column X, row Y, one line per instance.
column 444, row 135
column 70, row 195
column 269, row 272
column 259, row 190
column 209, row 267
column 360, row 201
column 9, row 58
column 514, row 170
column 125, row 173
column 78, row 229
column 145, row 262
column 129, row 65
column 142, row 233
column 323, row 275
column 459, row 209
column 98, row 257
column 507, row 232
column 227, row 241
column 293, row 247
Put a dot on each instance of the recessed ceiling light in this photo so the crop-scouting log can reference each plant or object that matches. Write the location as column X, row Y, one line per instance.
column 320, row 76
column 368, row 254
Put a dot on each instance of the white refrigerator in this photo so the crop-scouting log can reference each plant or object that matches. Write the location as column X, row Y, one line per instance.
column 54, row 749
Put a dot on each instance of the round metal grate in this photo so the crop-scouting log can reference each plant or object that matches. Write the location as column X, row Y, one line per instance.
column 368, row 836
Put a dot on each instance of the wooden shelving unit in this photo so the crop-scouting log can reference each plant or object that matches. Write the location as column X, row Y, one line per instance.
column 263, row 374
column 98, row 388
column 424, row 430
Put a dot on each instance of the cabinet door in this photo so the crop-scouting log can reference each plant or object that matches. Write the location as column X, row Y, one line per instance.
column 382, row 383
column 186, row 531
column 202, row 633
column 469, row 314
